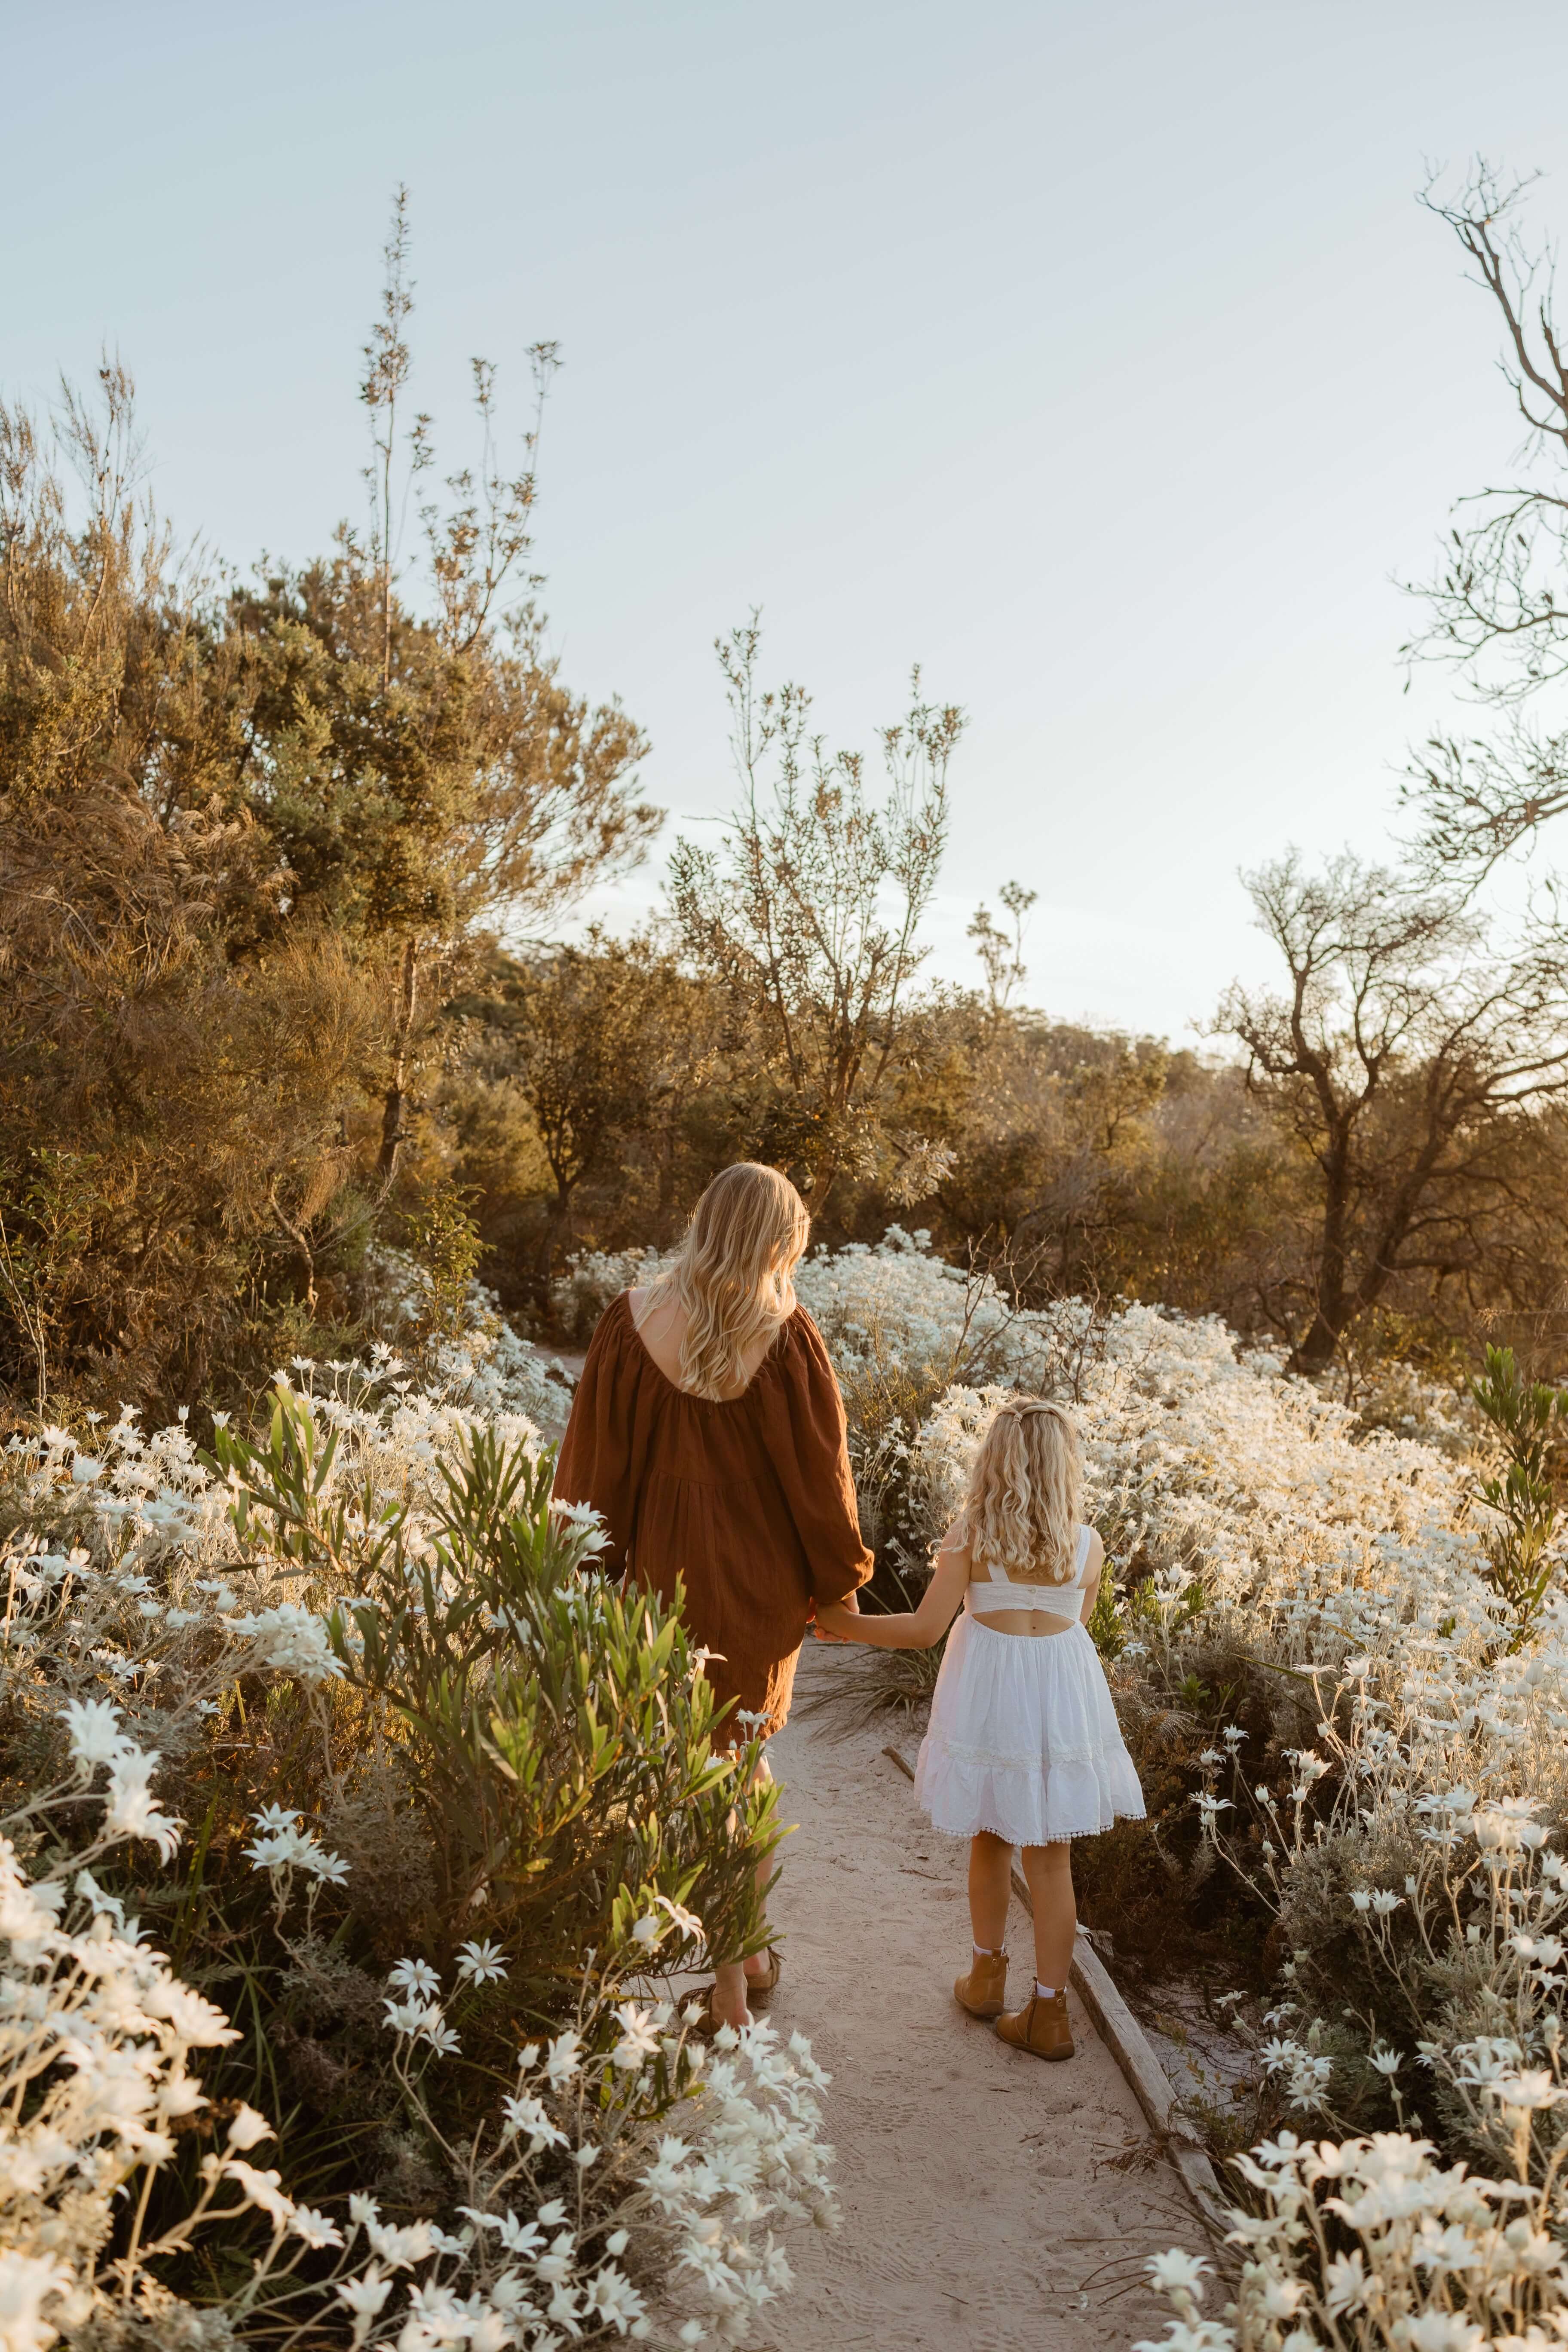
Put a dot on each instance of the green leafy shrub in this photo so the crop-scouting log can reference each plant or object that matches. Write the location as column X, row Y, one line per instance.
column 1521, row 1563
column 415, row 1741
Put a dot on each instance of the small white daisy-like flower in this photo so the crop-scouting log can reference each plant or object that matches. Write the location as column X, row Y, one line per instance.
column 480, row 1963
column 246, row 2128
column 416, row 1977
column 314, row 2227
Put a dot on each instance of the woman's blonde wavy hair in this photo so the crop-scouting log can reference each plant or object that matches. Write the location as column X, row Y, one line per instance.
column 734, row 1275
column 1024, row 1502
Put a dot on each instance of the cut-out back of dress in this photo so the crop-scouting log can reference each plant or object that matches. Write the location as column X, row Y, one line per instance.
column 994, row 1595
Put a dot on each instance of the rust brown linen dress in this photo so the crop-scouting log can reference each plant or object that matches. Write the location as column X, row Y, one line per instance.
column 747, row 1502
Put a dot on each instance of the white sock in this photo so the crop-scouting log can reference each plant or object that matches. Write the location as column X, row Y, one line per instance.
column 981, row 1954
column 1045, row 1993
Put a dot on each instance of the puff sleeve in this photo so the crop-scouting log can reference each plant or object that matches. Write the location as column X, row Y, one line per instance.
column 808, row 1444
column 603, row 1453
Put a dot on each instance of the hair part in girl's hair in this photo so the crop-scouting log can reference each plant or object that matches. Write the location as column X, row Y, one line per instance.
column 1024, row 1504
column 734, row 1274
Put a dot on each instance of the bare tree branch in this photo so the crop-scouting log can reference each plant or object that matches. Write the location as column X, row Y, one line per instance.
column 1396, row 1056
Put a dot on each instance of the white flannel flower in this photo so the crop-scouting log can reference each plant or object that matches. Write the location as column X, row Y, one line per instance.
column 1345, row 2284
column 639, row 2037
column 1175, row 2271
column 417, row 1977
column 520, row 2237
column 262, row 2188
column 290, row 1640
column 611, row 2296
column 668, row 2178
column 314, row 2228
column 556, row 2267
column 480, row 1963
column 246, row 2128
column 400, row 2248
column 92, row 1727
column 1527, row 2092
column 679, row 1916
column 1443, row 2331
column 527, row 2114
column 364, row 2296
column 26, row 2282
column 132, row 1811
column 563, row 2058
column 403, row 2017
column 564, row 2308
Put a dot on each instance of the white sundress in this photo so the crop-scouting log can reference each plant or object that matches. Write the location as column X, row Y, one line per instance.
column 1024, row 1740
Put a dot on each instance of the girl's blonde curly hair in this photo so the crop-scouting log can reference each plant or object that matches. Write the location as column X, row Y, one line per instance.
column 1024, row 1503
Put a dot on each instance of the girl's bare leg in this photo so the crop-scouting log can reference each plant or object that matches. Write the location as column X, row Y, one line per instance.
column 990, row 1887
column 1047, row 1870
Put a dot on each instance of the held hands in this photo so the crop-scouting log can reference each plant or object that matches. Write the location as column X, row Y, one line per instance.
column 838, row 1620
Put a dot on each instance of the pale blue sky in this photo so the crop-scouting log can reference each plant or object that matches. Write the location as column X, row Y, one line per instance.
column 1096, row 356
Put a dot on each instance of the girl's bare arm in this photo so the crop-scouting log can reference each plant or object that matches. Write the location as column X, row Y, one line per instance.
column 1095, row 1566
column 915, row 1629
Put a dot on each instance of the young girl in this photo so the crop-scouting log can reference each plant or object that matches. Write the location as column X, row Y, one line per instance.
column 1023, row 1748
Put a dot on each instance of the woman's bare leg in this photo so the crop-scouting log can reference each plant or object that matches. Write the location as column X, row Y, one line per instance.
column 757, row 1963
column 1048, row 1871
column 730, row 1994
column 729, row 1979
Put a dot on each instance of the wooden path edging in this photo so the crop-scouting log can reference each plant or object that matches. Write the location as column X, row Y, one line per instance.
column 1128, row 2045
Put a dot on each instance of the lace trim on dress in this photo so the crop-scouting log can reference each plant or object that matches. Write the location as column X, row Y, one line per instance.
column 1009, row 1834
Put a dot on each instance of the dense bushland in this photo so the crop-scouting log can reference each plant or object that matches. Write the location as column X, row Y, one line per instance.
column 407, row 1814
column 247, row 835
column 263, row 847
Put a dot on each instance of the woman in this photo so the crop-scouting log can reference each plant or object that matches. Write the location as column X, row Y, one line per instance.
column 709, row 1430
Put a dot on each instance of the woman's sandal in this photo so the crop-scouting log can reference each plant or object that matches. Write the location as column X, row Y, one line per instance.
column 707, row 2024
column 761, row 1990
column 702, row 2028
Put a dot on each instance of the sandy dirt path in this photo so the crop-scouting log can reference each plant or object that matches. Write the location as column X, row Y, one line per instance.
column 982, row 2211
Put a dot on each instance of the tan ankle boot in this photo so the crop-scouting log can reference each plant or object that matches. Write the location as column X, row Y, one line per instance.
column 1041, row 2027
column 983, row 1991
